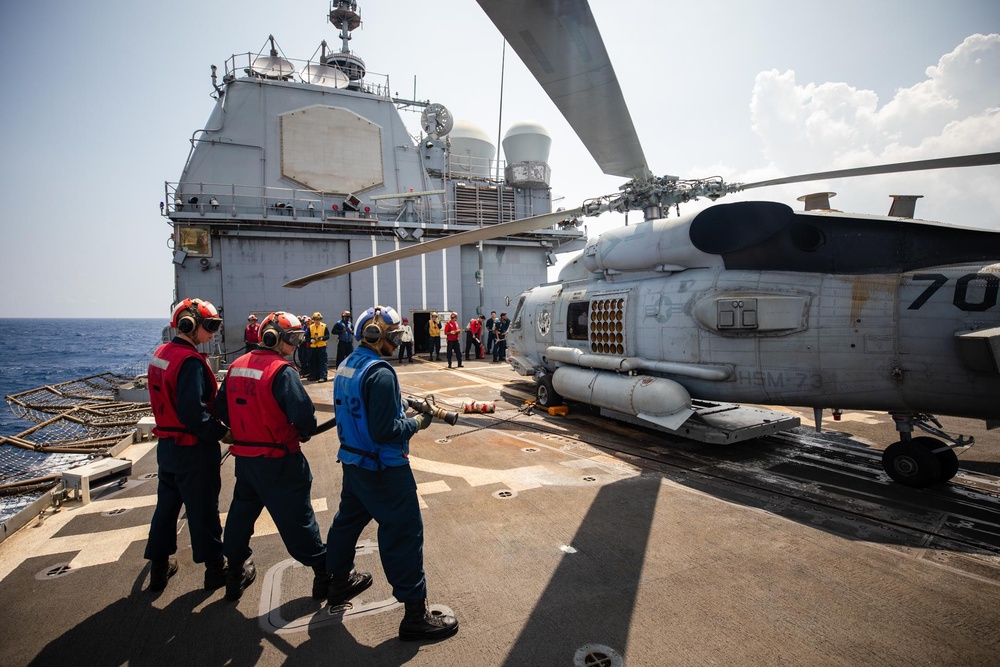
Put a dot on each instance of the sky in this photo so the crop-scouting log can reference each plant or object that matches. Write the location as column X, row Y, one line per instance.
column 101, row 99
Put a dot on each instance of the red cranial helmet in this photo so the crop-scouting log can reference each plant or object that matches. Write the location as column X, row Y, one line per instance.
column 280, row 327
column 190, row 313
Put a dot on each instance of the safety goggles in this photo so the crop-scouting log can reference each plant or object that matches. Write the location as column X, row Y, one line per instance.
column 394, row 337
column 211, row 325
column 294, row 338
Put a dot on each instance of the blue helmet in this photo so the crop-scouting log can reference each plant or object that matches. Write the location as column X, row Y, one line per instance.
column 376, row 324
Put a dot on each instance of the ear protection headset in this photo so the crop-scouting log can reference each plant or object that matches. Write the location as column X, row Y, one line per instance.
column 280, row 327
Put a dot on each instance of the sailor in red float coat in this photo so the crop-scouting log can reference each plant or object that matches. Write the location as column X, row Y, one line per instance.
column 251, row 335
column 182, row 393
column 270, row 413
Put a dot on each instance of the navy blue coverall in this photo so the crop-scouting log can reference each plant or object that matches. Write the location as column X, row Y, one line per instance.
column 282, row 484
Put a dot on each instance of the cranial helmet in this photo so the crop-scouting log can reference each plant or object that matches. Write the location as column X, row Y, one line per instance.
column 189, row 313
column 376, row 325
column 280, row 327
column 317, row 315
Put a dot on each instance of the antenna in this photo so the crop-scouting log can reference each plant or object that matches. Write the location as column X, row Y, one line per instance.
column 436, row 120
column 344, row 15
column 272, row 66
column 324, row 75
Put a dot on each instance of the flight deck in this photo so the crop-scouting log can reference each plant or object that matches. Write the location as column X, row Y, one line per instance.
column 556, row 540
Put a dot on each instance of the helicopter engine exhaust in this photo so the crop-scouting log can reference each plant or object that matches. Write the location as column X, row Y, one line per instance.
column 657, row 400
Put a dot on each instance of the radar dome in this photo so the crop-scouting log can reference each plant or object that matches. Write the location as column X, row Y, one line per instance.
column 526, row 141
column 472, row 152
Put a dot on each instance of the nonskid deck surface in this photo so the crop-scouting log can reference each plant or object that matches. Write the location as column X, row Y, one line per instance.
column 555, row 540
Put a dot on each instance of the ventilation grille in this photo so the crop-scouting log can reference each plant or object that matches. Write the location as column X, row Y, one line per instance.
column 481, row 203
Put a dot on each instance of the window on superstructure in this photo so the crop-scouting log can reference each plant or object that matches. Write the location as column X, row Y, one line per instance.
column 195, row 241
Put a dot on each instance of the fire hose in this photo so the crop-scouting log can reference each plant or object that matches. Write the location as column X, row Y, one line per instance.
column 427, row 406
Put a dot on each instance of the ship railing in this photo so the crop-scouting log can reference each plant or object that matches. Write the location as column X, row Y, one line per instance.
column 218, row 200
column 215, row 201
column 241, row 66
column 472, row 201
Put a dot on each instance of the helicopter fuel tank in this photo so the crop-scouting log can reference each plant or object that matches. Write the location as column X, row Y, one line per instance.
column 657, row 400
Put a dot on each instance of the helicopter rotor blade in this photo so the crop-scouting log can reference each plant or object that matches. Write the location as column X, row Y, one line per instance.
column 522, row 226
column 559, row 42
column 979, row 160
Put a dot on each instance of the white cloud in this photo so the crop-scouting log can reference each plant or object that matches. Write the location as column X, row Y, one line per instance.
column 954, row 111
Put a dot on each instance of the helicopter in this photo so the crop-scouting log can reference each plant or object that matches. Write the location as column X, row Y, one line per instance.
column 664, row 322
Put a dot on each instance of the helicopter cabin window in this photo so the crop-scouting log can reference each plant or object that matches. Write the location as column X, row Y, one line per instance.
column 577, row 320
column 515, row 322
column 195, row 241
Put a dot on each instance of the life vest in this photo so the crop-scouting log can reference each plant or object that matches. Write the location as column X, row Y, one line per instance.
column 259, row 425
column 252, row 334
column 164, row 369
column 356, row 445
column 451, row 330
column 317, row 330
column 433, row 328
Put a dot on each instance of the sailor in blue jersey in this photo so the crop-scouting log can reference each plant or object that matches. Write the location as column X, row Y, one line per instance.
column 378, row 484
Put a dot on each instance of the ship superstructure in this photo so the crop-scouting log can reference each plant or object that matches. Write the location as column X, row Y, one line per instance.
column 304, row 165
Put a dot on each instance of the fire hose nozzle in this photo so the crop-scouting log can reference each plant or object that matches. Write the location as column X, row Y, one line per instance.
column 427, row 406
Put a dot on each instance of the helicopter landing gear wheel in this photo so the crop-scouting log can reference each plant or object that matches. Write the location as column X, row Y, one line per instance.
column 544, row 393
column 946, row 457
column 911, row 463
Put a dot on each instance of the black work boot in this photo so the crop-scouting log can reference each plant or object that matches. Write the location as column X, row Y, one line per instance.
column 160, row 570
column 215, row 574
column 346, row 588
column 238, row 577
column 420, row 623
column 321, row 582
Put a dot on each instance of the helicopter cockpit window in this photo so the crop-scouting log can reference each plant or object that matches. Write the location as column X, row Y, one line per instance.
column 577, row 320
column 515, row 323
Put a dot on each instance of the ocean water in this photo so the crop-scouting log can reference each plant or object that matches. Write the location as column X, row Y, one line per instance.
column 34, row 353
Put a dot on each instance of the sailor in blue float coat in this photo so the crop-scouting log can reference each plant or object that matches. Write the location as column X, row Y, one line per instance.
column 378, row 483
column 374, row 434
